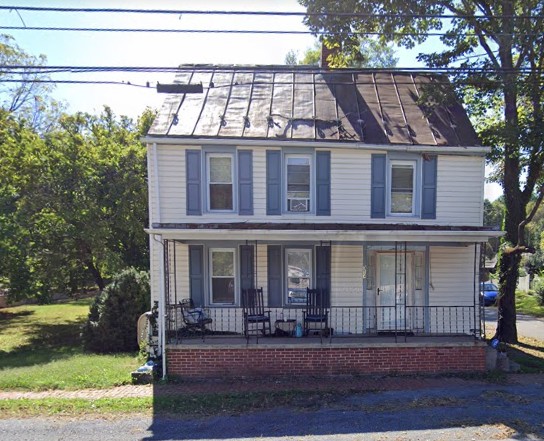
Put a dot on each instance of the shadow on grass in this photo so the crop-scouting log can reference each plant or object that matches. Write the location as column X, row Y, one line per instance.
column 528, row 356
column 48, row 343
column 7, row 317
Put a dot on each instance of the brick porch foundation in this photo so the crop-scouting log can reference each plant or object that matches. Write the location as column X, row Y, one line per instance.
column 256, row 360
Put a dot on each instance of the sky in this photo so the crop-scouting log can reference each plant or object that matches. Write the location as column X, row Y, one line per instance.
column 154, row 49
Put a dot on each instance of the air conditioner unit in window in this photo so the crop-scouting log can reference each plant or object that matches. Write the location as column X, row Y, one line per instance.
column 299, row 205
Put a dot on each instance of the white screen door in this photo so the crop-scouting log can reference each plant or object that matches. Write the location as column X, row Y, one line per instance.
column 390, row 318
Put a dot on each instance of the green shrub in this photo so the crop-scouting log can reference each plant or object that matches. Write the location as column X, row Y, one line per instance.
column 538, row 288
column 111, row 325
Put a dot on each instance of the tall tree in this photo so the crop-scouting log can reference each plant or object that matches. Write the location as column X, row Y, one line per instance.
column 73, row 203
column 500, row 43
column 370, row 53
column 23, row 90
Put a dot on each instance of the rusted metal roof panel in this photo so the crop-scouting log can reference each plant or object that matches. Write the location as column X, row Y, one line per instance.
column 307, row 104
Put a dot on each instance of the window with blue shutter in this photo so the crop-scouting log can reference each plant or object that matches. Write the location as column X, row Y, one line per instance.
column 273, row 182
column 428, row 192
column 245, row 182
column 193, row 175
column 323, row 183
column 378, row 186
column 196, row 274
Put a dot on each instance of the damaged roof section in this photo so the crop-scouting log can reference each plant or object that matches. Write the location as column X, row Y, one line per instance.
column 305, row 104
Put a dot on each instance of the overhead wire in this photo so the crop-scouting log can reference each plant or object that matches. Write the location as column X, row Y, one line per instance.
column 248, row 31
column 260, row 13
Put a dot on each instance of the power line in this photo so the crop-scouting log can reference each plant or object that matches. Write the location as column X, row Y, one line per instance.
column 248, row 31
column 18, row 69
column 261, row 13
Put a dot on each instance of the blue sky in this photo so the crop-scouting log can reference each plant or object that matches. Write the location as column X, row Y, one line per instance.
column 142, row 49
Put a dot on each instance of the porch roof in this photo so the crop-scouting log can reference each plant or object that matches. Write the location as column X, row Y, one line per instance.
column 323, row 232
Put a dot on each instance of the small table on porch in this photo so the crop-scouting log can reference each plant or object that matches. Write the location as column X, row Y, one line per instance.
column 285, row 328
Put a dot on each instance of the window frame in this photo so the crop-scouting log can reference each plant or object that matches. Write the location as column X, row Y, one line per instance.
column 208, row 156
column 311, row 196
column 235, row 257
column 285, row 296
column 416, row 185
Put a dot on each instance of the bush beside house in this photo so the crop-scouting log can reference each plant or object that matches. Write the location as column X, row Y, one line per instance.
column 111, row 326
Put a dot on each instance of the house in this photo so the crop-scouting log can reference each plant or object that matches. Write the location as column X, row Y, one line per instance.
column 289, row 177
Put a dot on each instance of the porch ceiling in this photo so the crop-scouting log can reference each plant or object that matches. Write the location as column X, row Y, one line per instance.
column 324, row 232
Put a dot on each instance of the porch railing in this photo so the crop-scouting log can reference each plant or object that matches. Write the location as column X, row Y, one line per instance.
column 344, row 321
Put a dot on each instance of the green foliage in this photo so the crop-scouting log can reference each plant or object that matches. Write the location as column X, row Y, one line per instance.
column 111, row 326
column 538, row 288
column 26, row 95
column 370, row 54
column 73, row 203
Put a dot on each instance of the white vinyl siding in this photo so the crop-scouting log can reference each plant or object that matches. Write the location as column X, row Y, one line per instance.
column 460, row 186
column 347, row 275
column 451, row 276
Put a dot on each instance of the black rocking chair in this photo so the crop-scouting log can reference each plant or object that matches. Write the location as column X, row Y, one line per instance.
column 316, row 315
column 194, row 319
column 254, row 313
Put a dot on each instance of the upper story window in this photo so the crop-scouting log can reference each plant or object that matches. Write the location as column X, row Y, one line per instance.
column 298, row 181
column 403, row 177
column 220, row 181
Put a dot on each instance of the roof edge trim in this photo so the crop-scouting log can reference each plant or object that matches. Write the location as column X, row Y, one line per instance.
column 462, row 150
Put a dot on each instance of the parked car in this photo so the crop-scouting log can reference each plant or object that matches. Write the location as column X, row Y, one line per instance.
column 488, row 293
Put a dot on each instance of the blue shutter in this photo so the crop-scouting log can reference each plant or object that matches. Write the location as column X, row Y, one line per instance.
column 323, row 183
column 274, row 276
column 273, row 182
column 323, row 270
column 377, row 195
column 196, row 274
column 245, row 182
column 428, row 194
column 247, row 265
column 193, row 172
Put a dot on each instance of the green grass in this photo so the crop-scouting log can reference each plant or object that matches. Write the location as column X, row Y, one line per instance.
column 527, row 303
column 529, row 354
column 40, row 348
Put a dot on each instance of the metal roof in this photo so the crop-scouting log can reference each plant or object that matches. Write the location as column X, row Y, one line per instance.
column 291, row 103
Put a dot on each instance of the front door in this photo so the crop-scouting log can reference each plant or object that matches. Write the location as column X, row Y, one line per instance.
column 391, row 295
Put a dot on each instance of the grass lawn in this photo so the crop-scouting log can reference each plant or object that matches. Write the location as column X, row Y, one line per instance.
column 527, row 303
column 40, row 348
column 529, row 354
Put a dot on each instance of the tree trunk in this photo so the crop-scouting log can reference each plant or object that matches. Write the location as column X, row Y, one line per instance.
column 508, row 279
column 96, row 274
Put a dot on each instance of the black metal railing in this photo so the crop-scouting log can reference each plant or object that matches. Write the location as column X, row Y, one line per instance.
column 343, row 321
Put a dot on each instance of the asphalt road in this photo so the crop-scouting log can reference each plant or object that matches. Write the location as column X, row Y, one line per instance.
column 482, row 412
column 527, row 325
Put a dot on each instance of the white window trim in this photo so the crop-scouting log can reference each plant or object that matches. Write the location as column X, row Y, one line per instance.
column 311, row 198
column 415, row 189
column 232, row 157
column 211, row 276
column 286, row 276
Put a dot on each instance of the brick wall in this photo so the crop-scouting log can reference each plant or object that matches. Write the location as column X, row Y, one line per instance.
column 253, row 361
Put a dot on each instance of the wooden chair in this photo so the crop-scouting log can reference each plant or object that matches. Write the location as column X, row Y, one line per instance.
column 254, row 313
column 316, row 315
column 194, row 319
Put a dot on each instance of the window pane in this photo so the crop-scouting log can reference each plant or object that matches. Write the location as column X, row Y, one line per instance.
column 223, row 290
column 220, row 169
column 402, row 182
column 299, row 263
column 222, row 263
column 220, row 196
